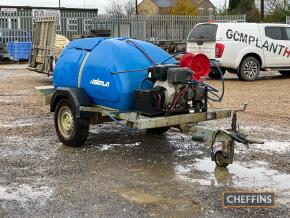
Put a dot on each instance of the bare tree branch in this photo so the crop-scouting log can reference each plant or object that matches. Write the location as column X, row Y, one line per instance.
column 129, row 7
column 120, row 7
column 114, row 7
column 273, row 5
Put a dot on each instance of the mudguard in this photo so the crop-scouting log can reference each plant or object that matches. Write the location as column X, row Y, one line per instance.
column 76, row 95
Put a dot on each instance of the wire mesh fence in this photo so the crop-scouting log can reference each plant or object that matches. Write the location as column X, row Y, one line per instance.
column 17, row 26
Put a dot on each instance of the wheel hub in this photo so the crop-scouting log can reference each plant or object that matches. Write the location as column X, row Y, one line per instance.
column 251, row 69
column 65, row 121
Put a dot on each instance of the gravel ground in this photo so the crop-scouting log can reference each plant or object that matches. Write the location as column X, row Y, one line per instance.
column 121, row 174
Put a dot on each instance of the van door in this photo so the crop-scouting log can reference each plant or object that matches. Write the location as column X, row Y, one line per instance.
column 274, row 45
column 287, row 53
column 202, row 39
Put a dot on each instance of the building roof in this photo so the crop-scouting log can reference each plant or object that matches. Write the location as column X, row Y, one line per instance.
column 164, row 3
column 171, row 3
column 53, row 8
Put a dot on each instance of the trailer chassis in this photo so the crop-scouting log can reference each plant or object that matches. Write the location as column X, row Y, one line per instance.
column 220, row 141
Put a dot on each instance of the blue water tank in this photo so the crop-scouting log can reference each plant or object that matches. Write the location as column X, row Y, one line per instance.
column 97, row 65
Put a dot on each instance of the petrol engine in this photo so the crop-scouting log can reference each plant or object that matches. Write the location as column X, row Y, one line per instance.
column 175, row 91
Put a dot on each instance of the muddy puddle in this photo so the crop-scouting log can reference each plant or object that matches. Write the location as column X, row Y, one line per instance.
column 191, row 163
column 105, row 147
column 256, row 175
column 184, row 207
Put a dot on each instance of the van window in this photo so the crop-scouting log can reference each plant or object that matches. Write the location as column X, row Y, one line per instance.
column 288, row 32
column 274, row 33
column 203, row 32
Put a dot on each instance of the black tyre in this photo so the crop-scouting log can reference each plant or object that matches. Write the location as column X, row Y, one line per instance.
column 71, row 131
column 158, row 131
column 285, row 73
column 249, row 69
column 215, row 74
column 220, row 159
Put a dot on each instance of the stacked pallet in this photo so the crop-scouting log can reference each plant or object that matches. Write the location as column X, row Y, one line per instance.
column 60, row 43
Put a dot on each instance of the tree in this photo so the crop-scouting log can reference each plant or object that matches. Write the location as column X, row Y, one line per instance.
column 276, row 10
column 120, row 7
column 274, row 5
column 277, row 15
column 233, row 4
column 130, row 7
column 184, row 7
column 247, row 7
column 114, row 7
column 241, row 6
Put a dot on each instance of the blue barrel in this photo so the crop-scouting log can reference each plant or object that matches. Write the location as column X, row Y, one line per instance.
column 100, row 65
column 19, row 51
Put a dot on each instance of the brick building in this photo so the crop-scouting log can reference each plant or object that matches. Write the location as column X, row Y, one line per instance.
column 161, row 7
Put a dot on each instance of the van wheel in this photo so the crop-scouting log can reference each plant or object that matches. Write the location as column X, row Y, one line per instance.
column 215, row 74
column 70, row 130
column 249, row 69
column 285, row 73
column 158, row 131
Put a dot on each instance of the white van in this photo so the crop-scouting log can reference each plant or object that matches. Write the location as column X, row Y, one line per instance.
column 243, row 48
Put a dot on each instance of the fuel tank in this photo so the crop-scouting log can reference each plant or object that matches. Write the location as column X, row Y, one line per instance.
column 108, row 69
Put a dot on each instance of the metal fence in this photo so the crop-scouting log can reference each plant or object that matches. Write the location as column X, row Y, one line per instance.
column 288, row 20
column 17, row 26
column 75, row 24
column 156, row 28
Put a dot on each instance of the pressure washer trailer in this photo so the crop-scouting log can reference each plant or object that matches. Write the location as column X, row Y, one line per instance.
column 140, row 87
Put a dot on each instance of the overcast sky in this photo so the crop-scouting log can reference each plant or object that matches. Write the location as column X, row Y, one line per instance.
column 100, row 4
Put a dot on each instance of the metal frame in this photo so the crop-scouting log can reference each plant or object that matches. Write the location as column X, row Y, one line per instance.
column 185, row 122
column 43, row 44
column 146, row 122
column 44, row 94
column 211, row 137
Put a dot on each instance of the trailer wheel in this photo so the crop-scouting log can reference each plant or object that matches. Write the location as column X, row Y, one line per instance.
column 158, row 131
column 220, row 159
column 249, row 69
column 71, row 131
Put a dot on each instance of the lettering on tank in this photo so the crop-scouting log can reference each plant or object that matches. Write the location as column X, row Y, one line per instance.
column 98, row 82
